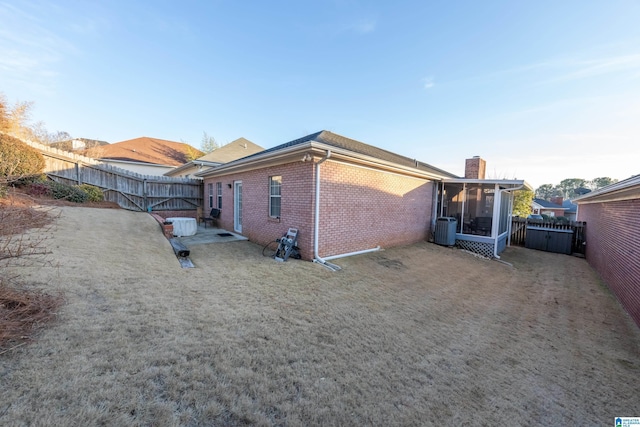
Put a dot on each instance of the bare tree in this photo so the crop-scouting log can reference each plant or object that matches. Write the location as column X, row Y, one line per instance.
column 208, row 143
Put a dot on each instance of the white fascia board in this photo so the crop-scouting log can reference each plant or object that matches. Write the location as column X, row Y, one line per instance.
column 376, row 161
column 315, row 145
column 257, row 158
column 504, row 182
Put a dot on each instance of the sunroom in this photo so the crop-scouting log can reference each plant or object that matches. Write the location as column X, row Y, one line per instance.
column 483, row 210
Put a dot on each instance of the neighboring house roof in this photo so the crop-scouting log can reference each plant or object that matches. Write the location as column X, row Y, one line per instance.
column 623, row 190
column 581, row 191
column 234, row 150
column 547, row 204
column 569, row 207
column 341, row 147
column 150, row 150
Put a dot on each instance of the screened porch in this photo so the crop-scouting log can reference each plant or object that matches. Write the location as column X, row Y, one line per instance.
column 482, row 209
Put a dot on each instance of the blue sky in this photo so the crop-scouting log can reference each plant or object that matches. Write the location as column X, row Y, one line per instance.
column 542, row 90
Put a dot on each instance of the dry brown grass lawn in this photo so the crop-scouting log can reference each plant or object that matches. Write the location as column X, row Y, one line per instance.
column 416, row 335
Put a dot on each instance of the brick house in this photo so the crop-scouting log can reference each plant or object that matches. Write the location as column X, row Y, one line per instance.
column 612, row 214
column 344, row 196
column 553, row 208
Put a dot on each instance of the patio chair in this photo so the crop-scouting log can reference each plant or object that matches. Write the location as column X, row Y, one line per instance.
column 213, row 217
column 482, row 225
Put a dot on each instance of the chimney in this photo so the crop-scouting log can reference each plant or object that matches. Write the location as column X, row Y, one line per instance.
column 557, row 200
column 475, row 168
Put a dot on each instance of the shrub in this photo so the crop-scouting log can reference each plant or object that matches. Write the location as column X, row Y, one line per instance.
column 68, row 192
column 94, row 194
column 28, row 180
column 42, row 188
column 19, row 159
column 74, row 193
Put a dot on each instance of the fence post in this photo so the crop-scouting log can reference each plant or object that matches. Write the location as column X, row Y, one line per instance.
column 145, row 200
column 78, row 180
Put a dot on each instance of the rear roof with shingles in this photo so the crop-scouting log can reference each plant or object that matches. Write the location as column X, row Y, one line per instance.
column 339, row 141
column 547, row 204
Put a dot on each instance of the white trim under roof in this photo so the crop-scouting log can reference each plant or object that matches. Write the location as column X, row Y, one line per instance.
column 288, row 154
column 504, row 182
column 193, row 163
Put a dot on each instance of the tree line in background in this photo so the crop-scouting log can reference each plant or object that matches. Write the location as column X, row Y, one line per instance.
column 571, row 188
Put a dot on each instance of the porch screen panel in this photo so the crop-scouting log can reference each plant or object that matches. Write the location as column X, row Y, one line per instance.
column 505, row 202
column 478, row 209
column 452, row 203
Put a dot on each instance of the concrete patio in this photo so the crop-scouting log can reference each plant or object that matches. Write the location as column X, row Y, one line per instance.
column 209, row 235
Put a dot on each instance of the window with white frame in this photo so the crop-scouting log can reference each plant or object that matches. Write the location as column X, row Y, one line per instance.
column 275, row 193
column 210, row 192
column 219, row 191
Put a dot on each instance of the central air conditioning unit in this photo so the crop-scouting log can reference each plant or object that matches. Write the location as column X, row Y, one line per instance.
column 446, row 231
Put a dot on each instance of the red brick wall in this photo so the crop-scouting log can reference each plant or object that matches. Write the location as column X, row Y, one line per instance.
column 297, row 204
column 475, row 168
column 613, row 248
column 363, row 208
column 360, row 209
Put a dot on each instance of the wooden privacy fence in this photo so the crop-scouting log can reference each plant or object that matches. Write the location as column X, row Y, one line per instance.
column 128, row 189
column 519, row 231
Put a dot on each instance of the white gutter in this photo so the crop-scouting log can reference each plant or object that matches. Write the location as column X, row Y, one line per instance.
column 316, row 229
column 315, row 145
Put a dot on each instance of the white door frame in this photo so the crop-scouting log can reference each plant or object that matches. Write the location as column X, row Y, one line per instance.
column 237, row 206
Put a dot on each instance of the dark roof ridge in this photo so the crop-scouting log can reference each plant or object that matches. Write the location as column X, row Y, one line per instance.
column 339, row 141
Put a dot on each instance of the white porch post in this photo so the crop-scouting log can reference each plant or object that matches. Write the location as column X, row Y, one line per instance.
column 495, row 222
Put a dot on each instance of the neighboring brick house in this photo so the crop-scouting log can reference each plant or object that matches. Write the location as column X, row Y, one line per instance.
column 551, row 208
column 612, row 214
column 344, row 196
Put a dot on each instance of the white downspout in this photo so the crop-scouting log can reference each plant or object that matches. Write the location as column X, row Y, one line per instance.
column 365, row 251
column 316, row 228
